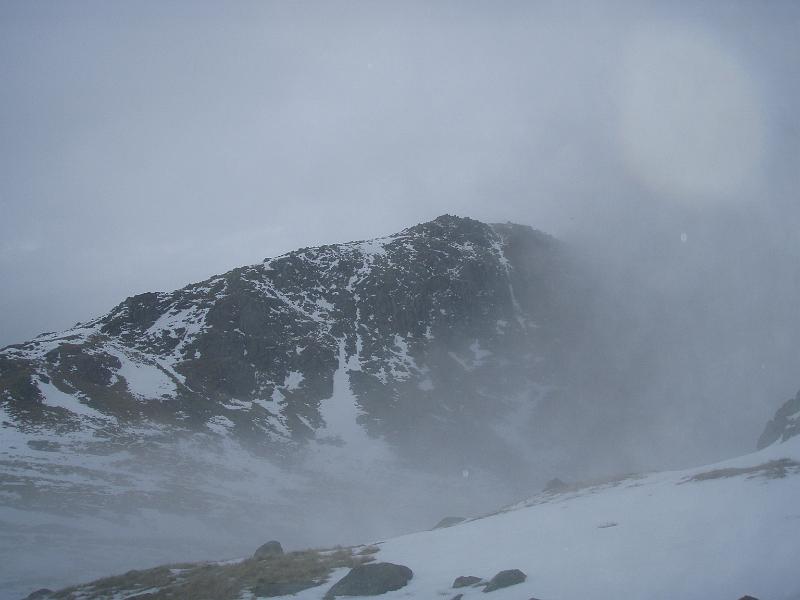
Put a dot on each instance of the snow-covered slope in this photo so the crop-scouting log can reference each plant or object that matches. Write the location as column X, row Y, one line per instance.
column 719, row 531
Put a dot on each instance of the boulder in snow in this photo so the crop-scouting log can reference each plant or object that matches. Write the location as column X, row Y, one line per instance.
column 465, row 580
column 271, row 548
column 505, row 579
column 371, row 580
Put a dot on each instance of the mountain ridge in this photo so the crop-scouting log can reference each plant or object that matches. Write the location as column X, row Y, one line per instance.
column 216, row 341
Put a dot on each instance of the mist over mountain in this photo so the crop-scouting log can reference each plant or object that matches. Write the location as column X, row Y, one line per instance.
column 692, row 524
column 437, row 333
column 335, row 394
column 367, row 380
column 575, row 258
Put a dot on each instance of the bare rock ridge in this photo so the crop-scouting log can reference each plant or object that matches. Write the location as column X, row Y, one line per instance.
column 257, row 348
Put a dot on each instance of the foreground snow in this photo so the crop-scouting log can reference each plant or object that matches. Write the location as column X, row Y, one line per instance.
column 714, row 532
column 724, row 535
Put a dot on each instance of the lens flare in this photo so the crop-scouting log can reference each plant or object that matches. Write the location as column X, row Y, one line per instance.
column 690, row 117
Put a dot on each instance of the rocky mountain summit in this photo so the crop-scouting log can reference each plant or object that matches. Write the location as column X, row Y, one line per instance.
column 435, row 327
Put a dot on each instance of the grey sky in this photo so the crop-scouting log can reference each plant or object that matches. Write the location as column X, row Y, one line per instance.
column 146, row 145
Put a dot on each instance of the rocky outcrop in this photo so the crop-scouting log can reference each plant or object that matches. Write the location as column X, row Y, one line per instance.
column 784, row 425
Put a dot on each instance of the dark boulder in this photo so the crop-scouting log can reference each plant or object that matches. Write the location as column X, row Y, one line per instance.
column 466, row 580
column 457, row 597
column 371, row 580
column 747, row 598
column 271, row 548
column 504, row 579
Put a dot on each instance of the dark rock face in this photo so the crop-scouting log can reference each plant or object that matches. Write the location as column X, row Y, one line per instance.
column 784, row 425
column 449, row 522
column 271, row 548
column 371, row 580
column 94, row 368
column 747, row 598
column 466, row 580
column 504, row 579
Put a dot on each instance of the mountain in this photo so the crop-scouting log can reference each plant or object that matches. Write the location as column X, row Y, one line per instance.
column 433, row 328
column 719, row 531
column 403, row 372
column 360, row 390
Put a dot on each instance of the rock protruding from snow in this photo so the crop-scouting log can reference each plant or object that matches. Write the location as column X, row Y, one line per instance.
column 784, row 425
column 271, row 548
column 371, row 580
column 466, row 580
column 449, row 522
column 505, row 579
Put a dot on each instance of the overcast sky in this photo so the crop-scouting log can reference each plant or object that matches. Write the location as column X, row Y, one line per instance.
column 146, row 145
